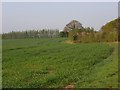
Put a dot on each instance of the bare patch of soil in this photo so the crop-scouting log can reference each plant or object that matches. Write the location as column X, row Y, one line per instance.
column 69, row 87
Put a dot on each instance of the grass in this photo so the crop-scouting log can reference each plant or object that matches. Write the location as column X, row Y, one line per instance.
column 52, row 63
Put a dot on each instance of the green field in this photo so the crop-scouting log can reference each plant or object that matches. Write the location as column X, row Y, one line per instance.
column 52, row 63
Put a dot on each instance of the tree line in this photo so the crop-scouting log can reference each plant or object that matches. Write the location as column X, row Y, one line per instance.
column 110, row 32
column 88, row 34
column 44, row 33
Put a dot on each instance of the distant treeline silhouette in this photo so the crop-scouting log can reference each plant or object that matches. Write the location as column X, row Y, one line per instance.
column 44, row 33
column 110, row 32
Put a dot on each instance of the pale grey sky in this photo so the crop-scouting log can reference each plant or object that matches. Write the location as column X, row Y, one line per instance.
column 60, row 0
column 21, row 16
column 0, row 17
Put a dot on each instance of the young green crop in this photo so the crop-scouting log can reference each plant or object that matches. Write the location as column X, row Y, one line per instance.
column 39, row 63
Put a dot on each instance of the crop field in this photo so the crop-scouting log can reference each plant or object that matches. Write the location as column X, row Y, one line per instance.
column 52, row 63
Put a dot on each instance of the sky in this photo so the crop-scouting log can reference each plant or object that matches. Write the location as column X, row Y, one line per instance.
column 20, row 16
column 60, row 0
column 0, row 17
